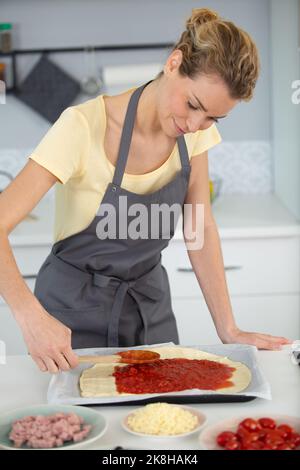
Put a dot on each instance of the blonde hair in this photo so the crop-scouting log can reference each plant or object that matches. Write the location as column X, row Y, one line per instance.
column 211, row 45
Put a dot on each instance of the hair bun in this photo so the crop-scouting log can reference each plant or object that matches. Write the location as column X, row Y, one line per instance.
column 200, row 16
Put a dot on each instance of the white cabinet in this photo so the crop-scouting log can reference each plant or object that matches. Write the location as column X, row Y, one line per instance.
column 194, row 322
column 10, row 332
column 253, row 266
column 263, row 277
column 31, row 243
column 29, row 259
column 275, row 315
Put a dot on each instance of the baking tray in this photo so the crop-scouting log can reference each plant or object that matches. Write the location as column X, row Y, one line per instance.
column 64, row 387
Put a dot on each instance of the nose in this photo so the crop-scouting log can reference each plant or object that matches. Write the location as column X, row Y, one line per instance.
column 198, row 121
column 196, row 125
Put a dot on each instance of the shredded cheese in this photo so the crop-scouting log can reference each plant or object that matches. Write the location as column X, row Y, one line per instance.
column 162, row 419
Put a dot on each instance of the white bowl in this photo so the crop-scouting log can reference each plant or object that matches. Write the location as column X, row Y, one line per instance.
column 201, row 417
column 90, row 416
column 208, row 436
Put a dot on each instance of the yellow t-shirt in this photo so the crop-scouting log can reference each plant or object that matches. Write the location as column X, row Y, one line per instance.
column 73, row 151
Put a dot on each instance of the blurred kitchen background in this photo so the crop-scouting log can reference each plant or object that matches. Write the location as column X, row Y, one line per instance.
column 112, row 45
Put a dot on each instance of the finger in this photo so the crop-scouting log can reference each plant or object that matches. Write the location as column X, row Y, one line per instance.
column 62, row 362
column 284, row 340
column 262, row 341
column 269, row 345
column 279, row 339
column 71, row 357
column 51, row 366
column 40, row 363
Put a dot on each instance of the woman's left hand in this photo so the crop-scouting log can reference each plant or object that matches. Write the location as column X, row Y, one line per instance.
column 260, row 340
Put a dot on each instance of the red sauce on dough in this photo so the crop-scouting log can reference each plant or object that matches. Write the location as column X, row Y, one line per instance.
column 171, row 375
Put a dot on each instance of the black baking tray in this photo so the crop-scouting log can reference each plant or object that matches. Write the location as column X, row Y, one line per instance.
column 182, row 400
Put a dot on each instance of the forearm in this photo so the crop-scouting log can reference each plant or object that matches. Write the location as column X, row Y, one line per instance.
column 209, row 269
column 13, row 288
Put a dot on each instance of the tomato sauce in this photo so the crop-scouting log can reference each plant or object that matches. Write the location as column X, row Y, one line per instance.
column 172, row 375
column 138, row 356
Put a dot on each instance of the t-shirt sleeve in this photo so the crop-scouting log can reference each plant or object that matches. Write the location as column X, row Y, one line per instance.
column 205, row 139
column 64, row 148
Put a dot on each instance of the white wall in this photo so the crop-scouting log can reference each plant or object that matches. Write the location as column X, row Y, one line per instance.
column 67, row 23
column 285, row 113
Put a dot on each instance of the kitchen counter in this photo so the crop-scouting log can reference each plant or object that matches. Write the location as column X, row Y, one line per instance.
column 253, row 216
column 236, row 215
column 22, row 385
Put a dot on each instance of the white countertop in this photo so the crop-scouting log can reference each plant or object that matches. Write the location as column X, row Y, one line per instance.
column 236, row 215
column 23, row 385
column 255, row 216
column 251, row 216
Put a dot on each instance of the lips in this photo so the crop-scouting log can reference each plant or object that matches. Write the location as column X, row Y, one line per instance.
column 178, row 128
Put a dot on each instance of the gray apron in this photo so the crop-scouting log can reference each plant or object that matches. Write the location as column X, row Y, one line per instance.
column 115, row 292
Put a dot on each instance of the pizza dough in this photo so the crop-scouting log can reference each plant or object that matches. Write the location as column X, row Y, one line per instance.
column 97, row 381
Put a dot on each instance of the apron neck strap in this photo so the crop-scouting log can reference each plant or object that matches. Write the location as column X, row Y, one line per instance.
column 184, row 155
column 127, row 135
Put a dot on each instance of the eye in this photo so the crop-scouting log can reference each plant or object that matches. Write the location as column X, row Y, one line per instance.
column 191, row 106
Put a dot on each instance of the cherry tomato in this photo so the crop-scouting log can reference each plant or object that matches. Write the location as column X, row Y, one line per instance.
column 224, row 437
column 267, row 423
column 255, row 446
column 262, row 434
column 242, row 432
column 249, row 424
column 254, row 436
column 295, row 439
column 246, row 443
column 286, row 430
column 274, row 439
column 266, row 447
column 284, row 446
column 232, row 444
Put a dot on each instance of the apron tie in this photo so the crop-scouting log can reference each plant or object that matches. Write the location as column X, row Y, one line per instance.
column 149, row 286
column 143, row 287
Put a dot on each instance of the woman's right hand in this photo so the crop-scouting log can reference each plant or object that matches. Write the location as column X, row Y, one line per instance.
column 48, row 341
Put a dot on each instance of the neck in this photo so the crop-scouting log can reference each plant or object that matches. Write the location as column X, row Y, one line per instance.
column 147, row 120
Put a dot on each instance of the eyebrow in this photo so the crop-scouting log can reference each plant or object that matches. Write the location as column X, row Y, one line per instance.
column 204, row 109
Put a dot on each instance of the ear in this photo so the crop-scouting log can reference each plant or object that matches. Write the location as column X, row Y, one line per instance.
column 173, row 62
column 177, row 56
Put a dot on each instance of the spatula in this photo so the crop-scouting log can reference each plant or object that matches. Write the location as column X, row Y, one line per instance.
column 133, row 356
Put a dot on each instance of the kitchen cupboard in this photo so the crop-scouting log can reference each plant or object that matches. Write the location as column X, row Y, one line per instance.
column 10, row 332
column 263, row 278
column 265, row 314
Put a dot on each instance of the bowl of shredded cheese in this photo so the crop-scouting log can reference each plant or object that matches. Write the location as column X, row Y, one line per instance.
column 164, row 420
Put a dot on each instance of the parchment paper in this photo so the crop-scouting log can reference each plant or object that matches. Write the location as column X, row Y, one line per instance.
column 64, row 386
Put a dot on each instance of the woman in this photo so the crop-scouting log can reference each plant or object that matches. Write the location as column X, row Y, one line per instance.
column 97, row 291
